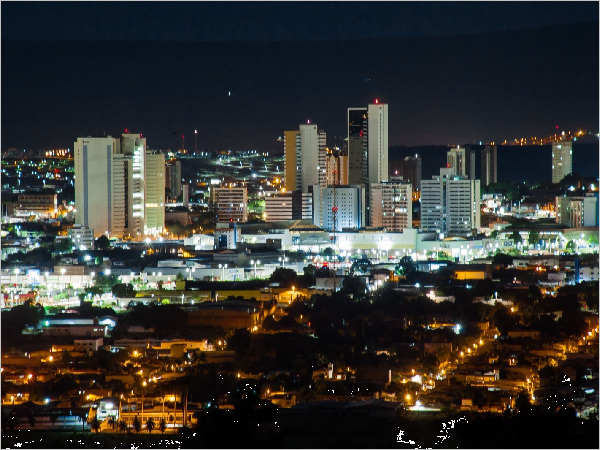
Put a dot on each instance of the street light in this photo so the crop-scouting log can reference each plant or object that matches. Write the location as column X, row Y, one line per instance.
column 255, row 264
column 222, row 267
column 283, row 260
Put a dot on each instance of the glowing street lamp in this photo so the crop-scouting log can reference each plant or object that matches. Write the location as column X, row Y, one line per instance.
column 255, row 264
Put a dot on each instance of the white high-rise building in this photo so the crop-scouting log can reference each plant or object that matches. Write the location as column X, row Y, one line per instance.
column 306, row 161
column 562, row 160
column 391, row 206
column 450, row 204
column 111, row 189
column 94, row 185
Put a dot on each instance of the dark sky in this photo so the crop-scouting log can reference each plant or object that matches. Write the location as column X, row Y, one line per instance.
column 87, row 68
column 276, row 21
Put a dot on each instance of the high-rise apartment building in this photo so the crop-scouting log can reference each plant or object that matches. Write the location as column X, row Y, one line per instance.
column 489, row 165
column 230, row 204
column 391, row 206
column 450, row 204
column 111, row 186
column 410, row 171
column 305, row 161
column 562, row 160
column 173, row 179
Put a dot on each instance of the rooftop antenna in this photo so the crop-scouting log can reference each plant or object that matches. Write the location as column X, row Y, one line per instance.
column 183, row 143
column 195, row 141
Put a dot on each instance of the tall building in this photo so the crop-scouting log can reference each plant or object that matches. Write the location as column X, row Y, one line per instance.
column 562, row 160
column 173, row 178
column 410, row 171
column 368, row 145
column 456, row 159
column 489, row 165
column 154, row 219
column 305, row 161
column 95, row 187
column 111, row 186
column 577, row 212
column 340, row 207
column 230, row 204
column 336, row 166
column 288, row 206
column 450, row 204
column 391, row 206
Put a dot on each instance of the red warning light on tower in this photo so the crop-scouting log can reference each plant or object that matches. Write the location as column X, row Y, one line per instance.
column 376, row 101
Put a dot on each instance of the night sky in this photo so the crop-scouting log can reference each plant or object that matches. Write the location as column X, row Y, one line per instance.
column 242, row 73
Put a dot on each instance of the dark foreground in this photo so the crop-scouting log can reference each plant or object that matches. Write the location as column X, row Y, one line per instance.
column 460, row 430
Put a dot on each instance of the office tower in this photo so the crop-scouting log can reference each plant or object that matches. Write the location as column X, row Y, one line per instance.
column 336, row 167
column 368, row 146
column 450, row 204
column 577, row 212
column 391, row 206
column 489, row 165
column 340, row 207
column 562, row 160
column 305, row 162
column 410, row 171
column 173, row 179
column 94, row 185
column 456, row 160
column 230, row 204
column 288, row 206
column 154, row 219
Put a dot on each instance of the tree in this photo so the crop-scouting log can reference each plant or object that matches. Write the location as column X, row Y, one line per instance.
column 180, row 277
column 123, row 290
column 112, row 421
column 31, row 420
column 287, row 277
column 571, row 246
column 494, row 234
column 122, row 426
column 95, row 424
column 516, row 237
column 162, row 425
column 503, row 259
column 102, row 243
column 150, row 424
column 534, row 237
column 137, row 424
column 63, row 246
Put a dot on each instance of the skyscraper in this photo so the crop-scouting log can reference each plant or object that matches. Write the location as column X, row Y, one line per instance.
column 562, row 160
column 100, row 201
column 489, row 165
column 305, row 162
column 368, row 145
